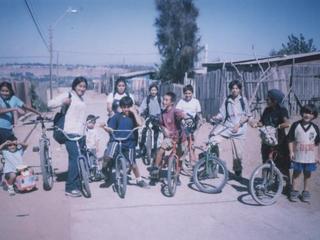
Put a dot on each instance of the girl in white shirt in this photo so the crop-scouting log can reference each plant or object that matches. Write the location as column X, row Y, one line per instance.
column 74, row 125
column 113, row 99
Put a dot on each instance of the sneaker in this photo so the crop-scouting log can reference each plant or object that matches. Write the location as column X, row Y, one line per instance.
column 178, row 181
column 294, row 195
column 73, row 193
column 142, row 184
column 154, row 173
column 305, row 196
column 11, row 190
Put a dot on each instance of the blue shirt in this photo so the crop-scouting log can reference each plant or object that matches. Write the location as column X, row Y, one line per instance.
column 119, row 121
column 6, row 119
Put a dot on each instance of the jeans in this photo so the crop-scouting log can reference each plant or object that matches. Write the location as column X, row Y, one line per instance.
column 73, row 180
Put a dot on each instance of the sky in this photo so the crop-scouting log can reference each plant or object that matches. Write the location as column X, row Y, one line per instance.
column 122, row 31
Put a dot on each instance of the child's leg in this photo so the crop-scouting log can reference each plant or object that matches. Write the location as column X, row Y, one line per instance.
column 10, row 177
column 136, row 171
column 295, row 177
column 306, row 178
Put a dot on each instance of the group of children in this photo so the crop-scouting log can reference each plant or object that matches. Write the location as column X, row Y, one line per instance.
column 297, row 149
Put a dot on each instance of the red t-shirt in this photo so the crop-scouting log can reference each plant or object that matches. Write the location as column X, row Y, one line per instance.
column 169, row 119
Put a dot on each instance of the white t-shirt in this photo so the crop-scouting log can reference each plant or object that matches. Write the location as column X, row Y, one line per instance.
column 304, row 138
column 75, row 118
column 192, row 107
column 92, row 138
column 117, row 97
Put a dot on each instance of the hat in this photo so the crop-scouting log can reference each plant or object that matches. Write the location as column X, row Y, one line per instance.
column 276, row 95
column 92, row 117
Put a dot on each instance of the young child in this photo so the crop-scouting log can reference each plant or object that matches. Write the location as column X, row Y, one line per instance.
column 234, row 113
column 169, row 122
column 303, row 137
column 92, row 143
column 127, row 119
column 150, row 108
column 92, row 139
column 192, row 108
column 12, row 153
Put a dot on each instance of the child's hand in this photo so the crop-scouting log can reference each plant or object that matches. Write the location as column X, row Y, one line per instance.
column 20, row 111
column 236, row 128
column 66, row 101
column 291, row 156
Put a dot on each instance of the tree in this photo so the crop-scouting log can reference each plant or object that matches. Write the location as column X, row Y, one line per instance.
column 177, row 38
column 295, row 45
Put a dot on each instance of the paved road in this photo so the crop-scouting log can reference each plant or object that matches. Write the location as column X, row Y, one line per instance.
column 147, row 214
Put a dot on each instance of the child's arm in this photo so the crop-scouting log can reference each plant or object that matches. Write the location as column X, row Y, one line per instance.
column 291, row 152
column 136, row 116
column 3, row 145
column 104, row 127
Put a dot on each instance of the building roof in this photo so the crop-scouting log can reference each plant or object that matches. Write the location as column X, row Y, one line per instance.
column 136, row 74
column 274, row 60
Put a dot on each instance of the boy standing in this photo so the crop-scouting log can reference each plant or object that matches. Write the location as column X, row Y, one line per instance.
column 13, row 158
column 234, row 113
column 127, row 119
column 170, row 124
column 303, row 137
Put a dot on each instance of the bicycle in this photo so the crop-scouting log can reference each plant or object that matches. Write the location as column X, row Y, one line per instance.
column 94, row 172
column 266, row 181
column 210, row 173
column 151, row 139
column 83, row 165
column 120, row 162
column 47, row 170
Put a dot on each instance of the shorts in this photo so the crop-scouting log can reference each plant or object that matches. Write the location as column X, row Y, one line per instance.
column 306, row 167
column 113, row 150
column 8, row 175
column 167, row 145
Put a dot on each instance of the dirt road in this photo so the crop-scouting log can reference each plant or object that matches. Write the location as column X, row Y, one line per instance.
column 146, row 213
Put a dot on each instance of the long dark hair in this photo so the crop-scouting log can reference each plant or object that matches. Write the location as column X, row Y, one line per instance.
column 9, row 86
column 78, row 80
column 115, row 90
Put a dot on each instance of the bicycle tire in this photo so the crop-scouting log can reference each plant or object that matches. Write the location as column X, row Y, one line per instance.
column 266, row 189
column 121, row 176
column 84, row 177
column 210, row 176
column 148, row 146
column 46, row 167
column 172, row 175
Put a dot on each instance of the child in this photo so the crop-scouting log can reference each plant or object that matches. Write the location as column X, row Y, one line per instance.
column 92, row 143
column 192, row 108
column 150, row 107
column 303, row 138
column 170, row 124
column 276, row 115
column 12, row 155
column 127, row 119
column 234, row 113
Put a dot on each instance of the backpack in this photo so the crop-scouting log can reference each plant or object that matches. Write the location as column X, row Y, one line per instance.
column 148, row 102
column 58, row 123
column 226, row 107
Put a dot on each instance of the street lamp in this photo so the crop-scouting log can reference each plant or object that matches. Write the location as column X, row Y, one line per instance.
column 51, row 27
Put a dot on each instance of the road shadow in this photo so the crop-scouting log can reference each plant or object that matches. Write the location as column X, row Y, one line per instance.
column 61, row 176
column 246, row 199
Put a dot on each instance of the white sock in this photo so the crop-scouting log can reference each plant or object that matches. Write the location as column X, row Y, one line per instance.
column 138, row 179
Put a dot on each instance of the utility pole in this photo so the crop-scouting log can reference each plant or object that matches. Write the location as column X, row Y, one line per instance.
column 51, row 57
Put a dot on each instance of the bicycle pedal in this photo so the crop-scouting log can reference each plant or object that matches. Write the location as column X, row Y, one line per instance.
column 35, row 149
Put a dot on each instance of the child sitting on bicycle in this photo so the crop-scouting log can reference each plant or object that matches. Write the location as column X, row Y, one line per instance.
column 170, row 123
column 192, row 108
column 276, row 116
column 92, row 138
column 234, row 114
column 127, row 119
column 12, row 153
column 304, row 139
column 150, row 108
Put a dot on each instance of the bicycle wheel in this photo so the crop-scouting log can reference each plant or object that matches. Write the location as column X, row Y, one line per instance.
column 148, row 146
column 121, row 176
column 210, row 175
column 84, row 176
column 172, row 175
column 46, row 167
column 266, row 184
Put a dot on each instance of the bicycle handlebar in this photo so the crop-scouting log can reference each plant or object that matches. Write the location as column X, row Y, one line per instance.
column 120, row 139
column 38, row 120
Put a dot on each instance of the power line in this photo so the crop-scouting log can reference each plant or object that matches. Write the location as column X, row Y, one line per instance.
column 36, row 24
